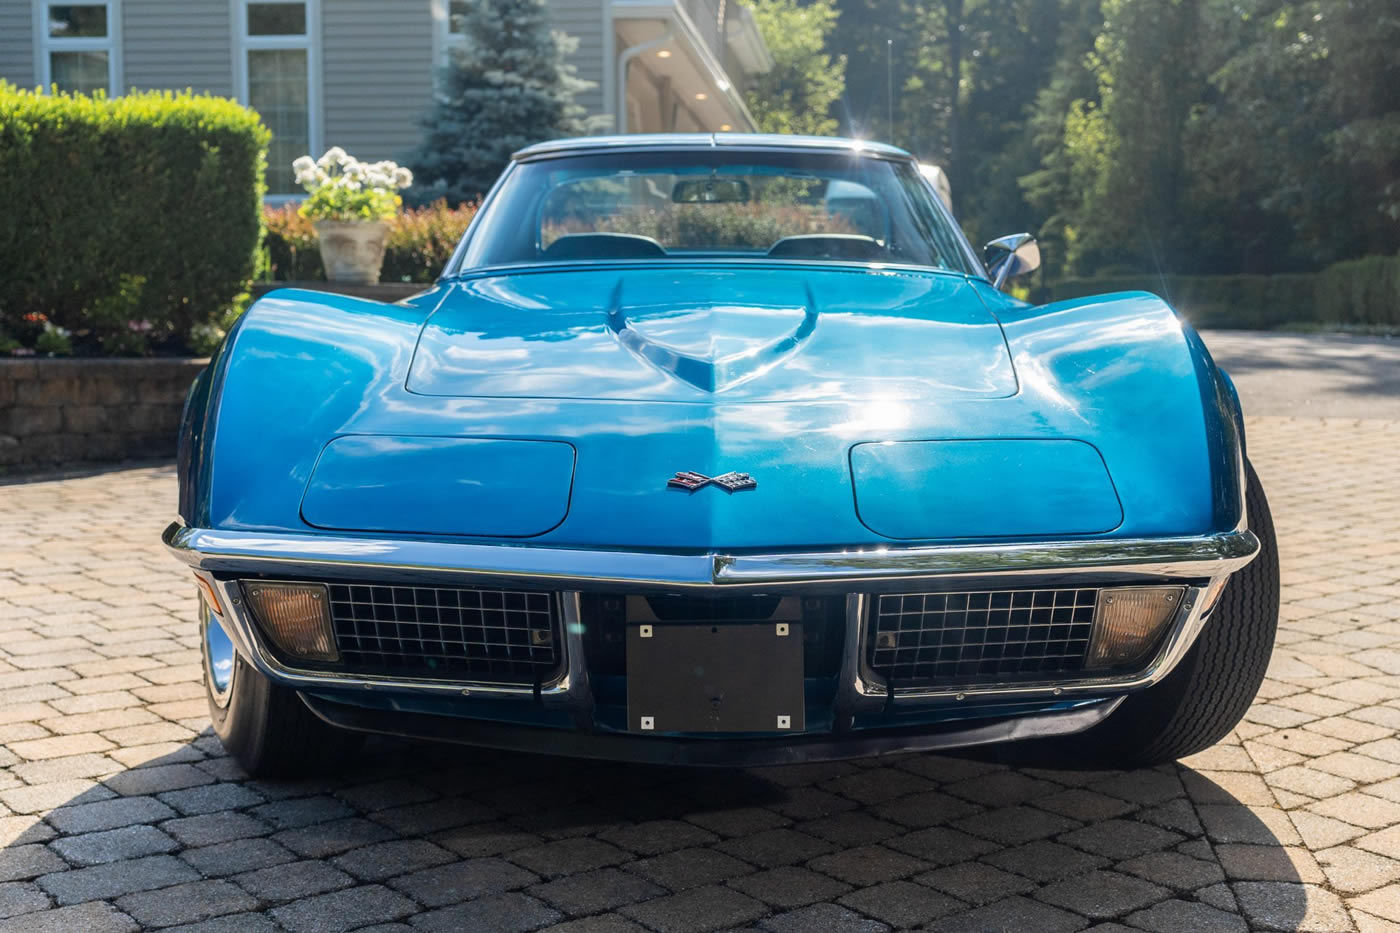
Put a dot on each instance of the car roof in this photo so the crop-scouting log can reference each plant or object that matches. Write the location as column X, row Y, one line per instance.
column 706, row 141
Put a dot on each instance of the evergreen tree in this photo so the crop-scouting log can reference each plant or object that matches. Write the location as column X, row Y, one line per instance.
column 506, row 86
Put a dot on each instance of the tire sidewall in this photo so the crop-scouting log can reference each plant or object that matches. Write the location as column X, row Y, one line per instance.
column 1194, row 706
column 240, row 724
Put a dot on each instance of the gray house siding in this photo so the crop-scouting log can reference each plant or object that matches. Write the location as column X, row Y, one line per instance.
column 17, row 42
column 377, row 67
column 583, row 19
column 178, row 44
column 374, row 62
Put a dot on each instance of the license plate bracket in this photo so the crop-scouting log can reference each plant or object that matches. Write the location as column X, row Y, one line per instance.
column 715, row 678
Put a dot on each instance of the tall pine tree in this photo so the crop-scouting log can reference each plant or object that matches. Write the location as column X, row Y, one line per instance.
column 506, row 86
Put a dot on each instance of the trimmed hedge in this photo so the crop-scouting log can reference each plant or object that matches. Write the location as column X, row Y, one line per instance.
column 1360, row 291
column 1257, row 302
column 420, row 242
column 132, row 222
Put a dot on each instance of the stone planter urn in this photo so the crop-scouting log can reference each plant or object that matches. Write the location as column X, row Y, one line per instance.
column 352, row 250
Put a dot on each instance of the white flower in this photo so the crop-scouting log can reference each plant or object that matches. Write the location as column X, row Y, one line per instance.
column 333, row 156
column 342, row 185
column 306, row 171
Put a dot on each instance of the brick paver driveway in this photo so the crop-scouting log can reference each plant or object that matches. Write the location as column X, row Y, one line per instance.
column 119, row 811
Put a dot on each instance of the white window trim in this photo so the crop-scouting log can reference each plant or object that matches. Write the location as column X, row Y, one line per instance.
column 45, row 43
column 444, row 39
column 311, row 42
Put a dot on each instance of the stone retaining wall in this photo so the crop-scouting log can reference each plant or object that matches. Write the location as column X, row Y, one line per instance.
column 60, row 412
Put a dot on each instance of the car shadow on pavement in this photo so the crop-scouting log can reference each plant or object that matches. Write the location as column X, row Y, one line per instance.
column 472, row 839
column 82, row 470
column 1367, row 366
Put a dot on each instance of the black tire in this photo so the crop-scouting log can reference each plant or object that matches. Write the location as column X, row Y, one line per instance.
column 1210, row 690
column 270, row 732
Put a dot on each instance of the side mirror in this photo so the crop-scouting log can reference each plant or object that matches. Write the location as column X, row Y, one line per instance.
column 1009, row 256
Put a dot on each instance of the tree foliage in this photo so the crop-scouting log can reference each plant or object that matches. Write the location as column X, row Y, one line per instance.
column 506, row 86
column 797, row 94
column 1307, row 118
column 1191, row 136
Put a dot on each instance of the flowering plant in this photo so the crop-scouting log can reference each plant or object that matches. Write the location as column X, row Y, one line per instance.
column 344, row 188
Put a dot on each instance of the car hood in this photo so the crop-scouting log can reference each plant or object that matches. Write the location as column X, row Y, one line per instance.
column 548, row 428
column 685, row 334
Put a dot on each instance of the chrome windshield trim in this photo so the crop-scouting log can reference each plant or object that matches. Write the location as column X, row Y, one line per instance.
column 328, row 555
column 653, row 142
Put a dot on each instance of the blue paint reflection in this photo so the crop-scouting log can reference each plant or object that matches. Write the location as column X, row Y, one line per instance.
column 776, row 371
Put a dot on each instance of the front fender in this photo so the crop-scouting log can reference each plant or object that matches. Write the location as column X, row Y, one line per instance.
column 1127, row 372
column 295, row 366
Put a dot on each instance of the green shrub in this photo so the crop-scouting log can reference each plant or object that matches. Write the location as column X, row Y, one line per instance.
column 1360, row 291
column 292, row 253
column 130, row 221
column 420, row 242
column 1363, row 292
column 1245, row 301
column 54, row 341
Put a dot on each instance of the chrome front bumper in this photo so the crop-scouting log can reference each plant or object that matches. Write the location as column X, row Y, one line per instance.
column 1202, row 563
column 350, row 557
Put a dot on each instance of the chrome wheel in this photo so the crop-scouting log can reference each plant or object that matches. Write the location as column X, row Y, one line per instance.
column 218, row 655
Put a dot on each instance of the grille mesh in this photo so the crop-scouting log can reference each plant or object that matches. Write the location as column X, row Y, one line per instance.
column 491, row 635
column 979, row 637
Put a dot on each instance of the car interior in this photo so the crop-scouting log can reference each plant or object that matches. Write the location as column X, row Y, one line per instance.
column 783, row 218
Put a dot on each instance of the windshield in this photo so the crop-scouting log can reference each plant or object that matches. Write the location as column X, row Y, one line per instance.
column 706, row 203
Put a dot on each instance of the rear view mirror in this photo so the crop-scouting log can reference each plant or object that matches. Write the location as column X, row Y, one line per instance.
column 1009, row 256
column 711, row 191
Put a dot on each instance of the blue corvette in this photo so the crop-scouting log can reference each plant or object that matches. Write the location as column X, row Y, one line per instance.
column 722, row 450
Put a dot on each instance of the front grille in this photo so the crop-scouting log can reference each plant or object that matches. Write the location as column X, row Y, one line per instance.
column 980, row 637
column 498, row 636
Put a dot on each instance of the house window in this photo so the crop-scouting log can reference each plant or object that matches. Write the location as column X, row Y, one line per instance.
column 278, row 68
column 79, row 45
column 455, row 9
column 446, row 32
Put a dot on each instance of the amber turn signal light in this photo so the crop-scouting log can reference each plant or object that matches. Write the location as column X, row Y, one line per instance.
column 295, row 617
column 1128, row 623
column 211, row 598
